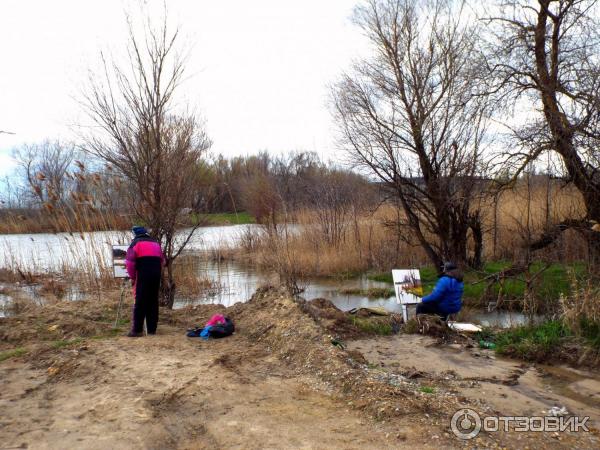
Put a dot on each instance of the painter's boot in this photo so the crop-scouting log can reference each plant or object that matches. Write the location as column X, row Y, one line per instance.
column 134, row 334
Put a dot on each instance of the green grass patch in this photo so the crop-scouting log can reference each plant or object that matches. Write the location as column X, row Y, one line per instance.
column 372, row 326
column 427, row 389
column 532, row 342
column 542, row 341
column 238, row 218
column 14, row 353
column 66, row 343
column 486, row 334
column 122, row 322
column 384, row 277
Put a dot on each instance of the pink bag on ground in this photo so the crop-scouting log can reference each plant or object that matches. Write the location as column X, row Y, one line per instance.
column 217, row 319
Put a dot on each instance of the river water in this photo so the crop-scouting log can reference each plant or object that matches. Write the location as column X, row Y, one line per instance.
column 43, row 253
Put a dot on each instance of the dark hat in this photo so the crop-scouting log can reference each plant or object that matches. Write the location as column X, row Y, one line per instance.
column 139, row 230
column 448, row 266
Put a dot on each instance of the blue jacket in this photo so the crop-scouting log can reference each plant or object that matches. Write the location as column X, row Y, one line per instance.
column 447, row 293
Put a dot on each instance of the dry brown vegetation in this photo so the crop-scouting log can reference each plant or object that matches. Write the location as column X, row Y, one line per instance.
column 516, row 217
column 28, row 221
column 372, row 241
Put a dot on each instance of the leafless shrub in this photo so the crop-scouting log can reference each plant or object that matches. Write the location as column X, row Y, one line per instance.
column 157, row 149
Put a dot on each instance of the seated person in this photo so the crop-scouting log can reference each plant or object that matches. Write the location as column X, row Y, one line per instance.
column 446, row 297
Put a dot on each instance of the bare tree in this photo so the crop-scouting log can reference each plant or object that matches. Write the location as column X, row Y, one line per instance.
column 547, row 52
column 410, row 117
column 45, row 168
column 143, row 138
column 333, row 195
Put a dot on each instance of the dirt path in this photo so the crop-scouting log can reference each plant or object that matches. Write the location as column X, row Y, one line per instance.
column 168, row 391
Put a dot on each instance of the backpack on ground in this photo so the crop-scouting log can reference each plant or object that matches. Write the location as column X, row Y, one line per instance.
column 222, row 330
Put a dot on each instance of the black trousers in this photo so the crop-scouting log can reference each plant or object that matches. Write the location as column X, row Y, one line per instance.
column 431, row 308
column 146, row 304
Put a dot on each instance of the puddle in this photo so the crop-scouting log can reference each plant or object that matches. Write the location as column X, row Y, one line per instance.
column 579, row 385
column 510, row 387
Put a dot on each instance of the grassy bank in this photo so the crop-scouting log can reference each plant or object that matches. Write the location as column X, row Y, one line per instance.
column 370, row 293
column 549, row 341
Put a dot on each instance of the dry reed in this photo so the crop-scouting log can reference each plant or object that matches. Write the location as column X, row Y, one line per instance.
column 581, row 305
column 511, row 220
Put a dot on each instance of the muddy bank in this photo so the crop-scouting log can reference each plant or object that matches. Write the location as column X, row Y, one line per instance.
column 279, row 382
column 504, row 386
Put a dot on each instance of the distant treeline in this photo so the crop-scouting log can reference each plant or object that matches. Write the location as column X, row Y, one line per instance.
column 58, row 188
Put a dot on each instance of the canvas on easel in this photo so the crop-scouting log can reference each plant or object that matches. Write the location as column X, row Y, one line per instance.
column 408, row 288
column 119, row 253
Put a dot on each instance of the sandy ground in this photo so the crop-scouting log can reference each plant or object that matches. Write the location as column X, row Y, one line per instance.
column 278, row 383
column 168, row 391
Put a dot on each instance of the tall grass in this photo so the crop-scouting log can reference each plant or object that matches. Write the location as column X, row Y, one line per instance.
column 581, row 310
column 61, row 219
column 519, row 215
column 57, row 263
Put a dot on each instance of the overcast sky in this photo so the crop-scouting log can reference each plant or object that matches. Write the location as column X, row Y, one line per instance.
column 259, row 70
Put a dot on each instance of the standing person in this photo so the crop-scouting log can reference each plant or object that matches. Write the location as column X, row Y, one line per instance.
column 144, row 262
column 446, row 297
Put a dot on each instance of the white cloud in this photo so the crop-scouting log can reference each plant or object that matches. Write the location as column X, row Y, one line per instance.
column 260, row 69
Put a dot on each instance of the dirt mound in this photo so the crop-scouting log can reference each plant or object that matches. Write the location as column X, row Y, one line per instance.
column 62, row 321
column 288, row 329
column 303, row 336
column 330, row 318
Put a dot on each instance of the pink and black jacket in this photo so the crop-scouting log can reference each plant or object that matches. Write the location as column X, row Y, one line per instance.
column 144, row 260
